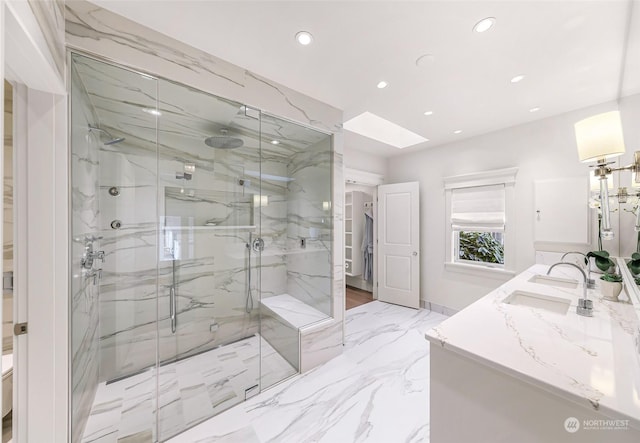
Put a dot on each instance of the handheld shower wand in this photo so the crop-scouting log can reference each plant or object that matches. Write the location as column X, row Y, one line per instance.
column 248, row 303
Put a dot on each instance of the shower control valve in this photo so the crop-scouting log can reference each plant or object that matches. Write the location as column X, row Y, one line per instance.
column 89, row 256
column 97, row 275
column 257, row 244
column 99, row 255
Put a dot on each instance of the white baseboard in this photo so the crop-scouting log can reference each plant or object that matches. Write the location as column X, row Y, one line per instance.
column 437, row 308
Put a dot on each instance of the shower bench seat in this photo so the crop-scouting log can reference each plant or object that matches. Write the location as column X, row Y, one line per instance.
column 284, row 319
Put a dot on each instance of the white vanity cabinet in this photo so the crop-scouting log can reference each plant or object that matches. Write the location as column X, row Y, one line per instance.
column 500, row 372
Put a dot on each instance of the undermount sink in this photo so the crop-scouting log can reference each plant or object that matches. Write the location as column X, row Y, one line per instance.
column 554, row 281
column 550, row 303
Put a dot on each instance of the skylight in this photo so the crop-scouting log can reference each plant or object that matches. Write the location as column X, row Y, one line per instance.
column 377, row 128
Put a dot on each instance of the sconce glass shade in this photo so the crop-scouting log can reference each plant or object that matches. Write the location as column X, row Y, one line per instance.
column 600, row 137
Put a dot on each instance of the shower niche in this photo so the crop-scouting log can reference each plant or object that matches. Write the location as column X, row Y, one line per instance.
column 220, row 260
column 209, row 208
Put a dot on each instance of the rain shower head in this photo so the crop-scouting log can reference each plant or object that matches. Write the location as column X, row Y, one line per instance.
column 112, row 140
column 224, row 141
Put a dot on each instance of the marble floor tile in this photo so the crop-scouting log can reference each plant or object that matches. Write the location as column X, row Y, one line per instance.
column 188, row 392
column 376, row 391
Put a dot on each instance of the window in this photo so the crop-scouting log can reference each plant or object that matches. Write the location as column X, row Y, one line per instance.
column 478, row 236
column 477, row 225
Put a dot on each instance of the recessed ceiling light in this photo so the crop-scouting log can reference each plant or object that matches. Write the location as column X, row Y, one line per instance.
column 377, row 128
column 382, row 85
column 152, row 111
column 428, row 112
column 536, row 109
column 517, row 78
column 485, row 24
column 457, row 131
column 304, row 38
column 275, row 142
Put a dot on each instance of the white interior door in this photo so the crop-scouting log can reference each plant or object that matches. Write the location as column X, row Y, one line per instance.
column 399, row 244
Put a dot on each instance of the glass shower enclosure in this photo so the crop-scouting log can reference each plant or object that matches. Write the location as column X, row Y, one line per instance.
column 196, row 222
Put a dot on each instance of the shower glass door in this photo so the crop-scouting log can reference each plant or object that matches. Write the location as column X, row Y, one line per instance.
column 201, row 250
column 209, row 194
column 114, row 252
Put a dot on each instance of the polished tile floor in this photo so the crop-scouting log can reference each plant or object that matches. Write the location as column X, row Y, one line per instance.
column 376, row 391
column 190, row 390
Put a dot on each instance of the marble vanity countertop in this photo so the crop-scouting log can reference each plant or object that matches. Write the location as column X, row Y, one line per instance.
column 590, row 361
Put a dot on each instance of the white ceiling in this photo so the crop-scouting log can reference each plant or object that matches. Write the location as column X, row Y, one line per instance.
column 571, row 52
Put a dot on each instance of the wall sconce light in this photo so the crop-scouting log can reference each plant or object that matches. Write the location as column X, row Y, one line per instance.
column 599, row 139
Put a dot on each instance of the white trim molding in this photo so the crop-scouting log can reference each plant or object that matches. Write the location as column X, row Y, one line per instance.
column 358, row 177
column 499, row 176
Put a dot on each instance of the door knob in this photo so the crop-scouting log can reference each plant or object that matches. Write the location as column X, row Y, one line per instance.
column 414, row 253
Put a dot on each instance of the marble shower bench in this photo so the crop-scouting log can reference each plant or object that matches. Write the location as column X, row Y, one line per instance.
column 288, row 322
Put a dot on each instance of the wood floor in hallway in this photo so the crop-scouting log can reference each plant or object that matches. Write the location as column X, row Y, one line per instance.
column 357, row 297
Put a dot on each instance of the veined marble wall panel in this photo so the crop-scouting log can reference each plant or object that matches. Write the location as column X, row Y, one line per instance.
column 50, row 16
column 128, row 288
column 320, row 343
column 96, row 30
column 84, row 294
column 309, row 218
column 309, row 278
column 282, row 336
column 209, row 208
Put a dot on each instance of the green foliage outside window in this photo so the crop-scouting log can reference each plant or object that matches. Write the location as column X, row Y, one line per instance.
column 481, row 247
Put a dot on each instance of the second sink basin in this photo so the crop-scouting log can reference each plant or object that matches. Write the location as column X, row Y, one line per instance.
column 554, row 281
column 558, row 305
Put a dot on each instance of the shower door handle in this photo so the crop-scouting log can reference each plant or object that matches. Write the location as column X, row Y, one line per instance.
column 172, row 308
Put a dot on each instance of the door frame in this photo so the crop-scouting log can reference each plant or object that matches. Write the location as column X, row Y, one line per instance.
column 371, row 180
column 41, row 215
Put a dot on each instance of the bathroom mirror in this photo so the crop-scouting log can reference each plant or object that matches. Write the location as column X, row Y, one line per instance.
column 629, row 103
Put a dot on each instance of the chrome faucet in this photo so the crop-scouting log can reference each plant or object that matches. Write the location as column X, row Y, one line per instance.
column 585, row 306
column 591, row 284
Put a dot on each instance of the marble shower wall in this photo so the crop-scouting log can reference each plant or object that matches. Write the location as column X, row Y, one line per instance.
column 50, row 17
column 309, row 220
column 84, row 294
column 211, row 276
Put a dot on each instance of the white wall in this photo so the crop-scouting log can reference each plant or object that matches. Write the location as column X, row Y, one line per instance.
column 543, row 149
column 364, row 161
